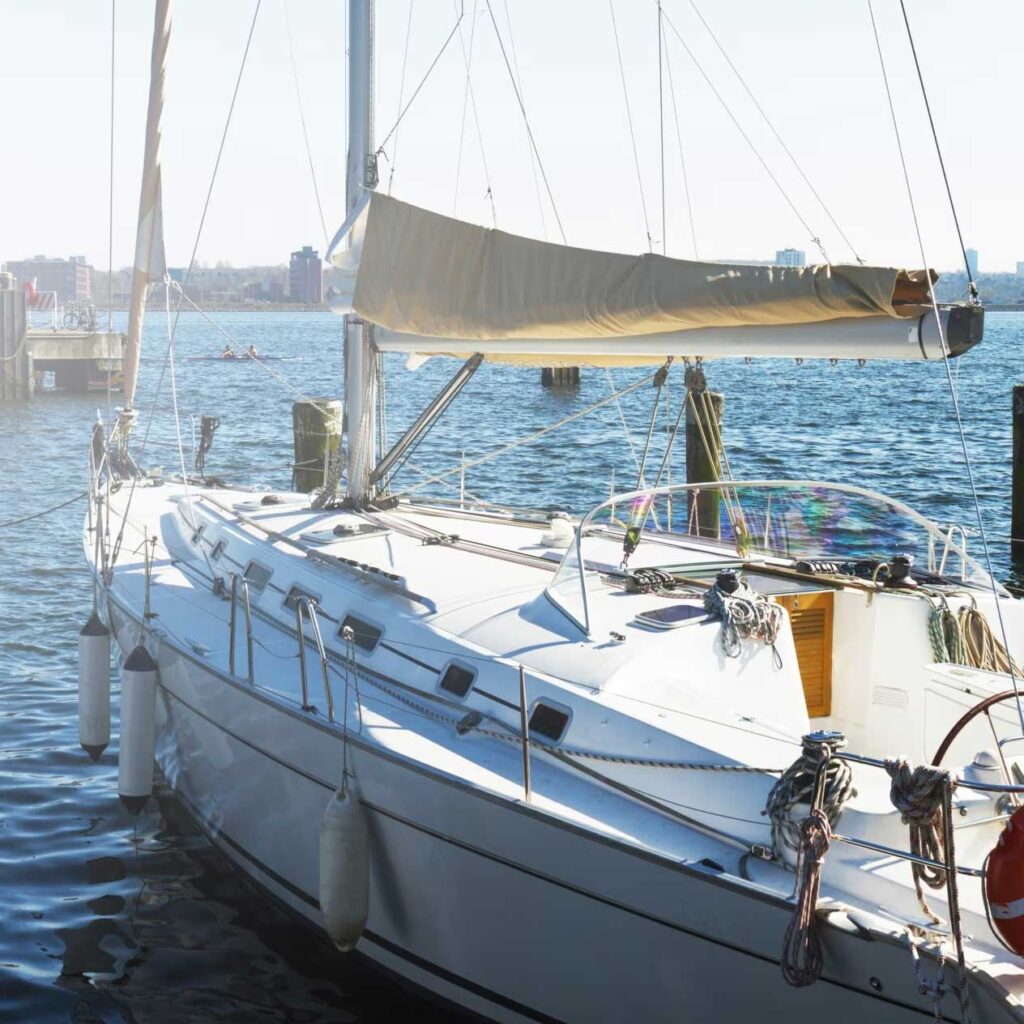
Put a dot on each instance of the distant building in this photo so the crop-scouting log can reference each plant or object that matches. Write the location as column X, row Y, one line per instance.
column 1020, row 269
column 263, row 291
column 790, row 258
column 71, row 279
column 305, row 276
column 972, row 261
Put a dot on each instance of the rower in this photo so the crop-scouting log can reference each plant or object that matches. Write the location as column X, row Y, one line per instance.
column 228, row 353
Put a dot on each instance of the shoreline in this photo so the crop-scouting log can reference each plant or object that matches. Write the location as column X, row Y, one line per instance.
column 231, row 307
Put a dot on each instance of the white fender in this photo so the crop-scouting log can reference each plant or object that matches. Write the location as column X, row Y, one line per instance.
column 94, row 686
column 138, row 729
column 344, row 869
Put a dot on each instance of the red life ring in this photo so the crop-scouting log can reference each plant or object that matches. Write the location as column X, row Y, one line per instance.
column 1004, row 883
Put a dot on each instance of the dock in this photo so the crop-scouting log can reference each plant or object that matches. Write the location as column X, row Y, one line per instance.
column 79, row 361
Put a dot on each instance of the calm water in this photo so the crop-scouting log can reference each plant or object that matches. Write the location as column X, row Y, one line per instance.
column 105, row 918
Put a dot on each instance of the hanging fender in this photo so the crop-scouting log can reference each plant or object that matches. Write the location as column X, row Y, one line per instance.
column 344, row 868
column 1004, row 883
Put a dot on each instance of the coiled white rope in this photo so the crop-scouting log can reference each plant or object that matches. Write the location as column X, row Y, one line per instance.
column 745, row 615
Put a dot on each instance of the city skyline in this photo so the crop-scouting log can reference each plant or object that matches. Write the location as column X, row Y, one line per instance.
column 819, row 82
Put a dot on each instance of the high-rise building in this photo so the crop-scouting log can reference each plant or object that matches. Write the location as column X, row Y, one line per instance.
column 790, row 258
column 71, row 279
column 972, row 261
column 305, row 276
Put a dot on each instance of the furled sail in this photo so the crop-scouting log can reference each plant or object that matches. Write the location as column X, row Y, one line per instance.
column 149, row 264
column 424, row 273
column 434, row 285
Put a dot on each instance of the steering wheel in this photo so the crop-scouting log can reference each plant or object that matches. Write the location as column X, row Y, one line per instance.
column 980, row 708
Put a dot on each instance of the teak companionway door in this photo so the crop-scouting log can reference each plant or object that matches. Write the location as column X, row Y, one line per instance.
column 810, row 615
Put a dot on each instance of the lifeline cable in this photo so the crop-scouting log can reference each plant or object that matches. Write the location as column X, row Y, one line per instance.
column 44, row 512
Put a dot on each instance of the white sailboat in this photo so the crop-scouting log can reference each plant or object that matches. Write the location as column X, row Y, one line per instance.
column 630, row 764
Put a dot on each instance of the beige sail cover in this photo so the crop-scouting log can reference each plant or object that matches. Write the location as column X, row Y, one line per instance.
column 427, row 274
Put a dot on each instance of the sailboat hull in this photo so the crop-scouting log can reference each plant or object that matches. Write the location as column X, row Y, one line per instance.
column 485, row 903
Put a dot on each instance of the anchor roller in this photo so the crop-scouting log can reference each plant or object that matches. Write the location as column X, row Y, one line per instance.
column 94, row 686
column 344, row 868
column 138, row 729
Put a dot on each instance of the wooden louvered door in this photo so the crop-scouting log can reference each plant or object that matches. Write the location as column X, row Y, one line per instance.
column 810, row 616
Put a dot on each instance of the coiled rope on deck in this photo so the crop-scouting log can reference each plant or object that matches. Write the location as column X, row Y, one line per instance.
column 965, row 637
column 745, row 615
column 825, row 782
column 917, row 793
column 798, row 785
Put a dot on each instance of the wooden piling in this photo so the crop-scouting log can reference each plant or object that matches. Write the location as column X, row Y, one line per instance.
column 704, row 411
column 1017, row 486
column 316, row 427
column 15, row 360
column 560, row 376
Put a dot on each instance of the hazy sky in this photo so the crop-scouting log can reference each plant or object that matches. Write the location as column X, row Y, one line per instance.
column 812, row 66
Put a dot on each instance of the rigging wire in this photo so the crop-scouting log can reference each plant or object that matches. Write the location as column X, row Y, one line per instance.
column 638, row 463
column 468, row 60
column 255, row 359
column 302, row 120
column 661, row 127
column 682, row 158
column 747, row 139
column 188, row 275
column 110, row 207
column 529, row 149
column 401, row 97
column 622, row 419
column 174, row 403
column 423, row 80
column 489, row 195
column 529, row 437
column 220, row 153
column 945, row 361
column 522, row 107
column 632, row 133
column 774, row 131
column 971, row 286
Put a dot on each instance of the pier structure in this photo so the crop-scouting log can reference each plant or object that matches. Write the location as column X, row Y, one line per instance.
column 79, row 360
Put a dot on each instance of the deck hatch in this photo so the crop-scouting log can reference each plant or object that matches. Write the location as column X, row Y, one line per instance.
column 365, row 636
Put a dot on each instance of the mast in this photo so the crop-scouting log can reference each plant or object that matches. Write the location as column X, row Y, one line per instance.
column 361, row 174
column 149, row 242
